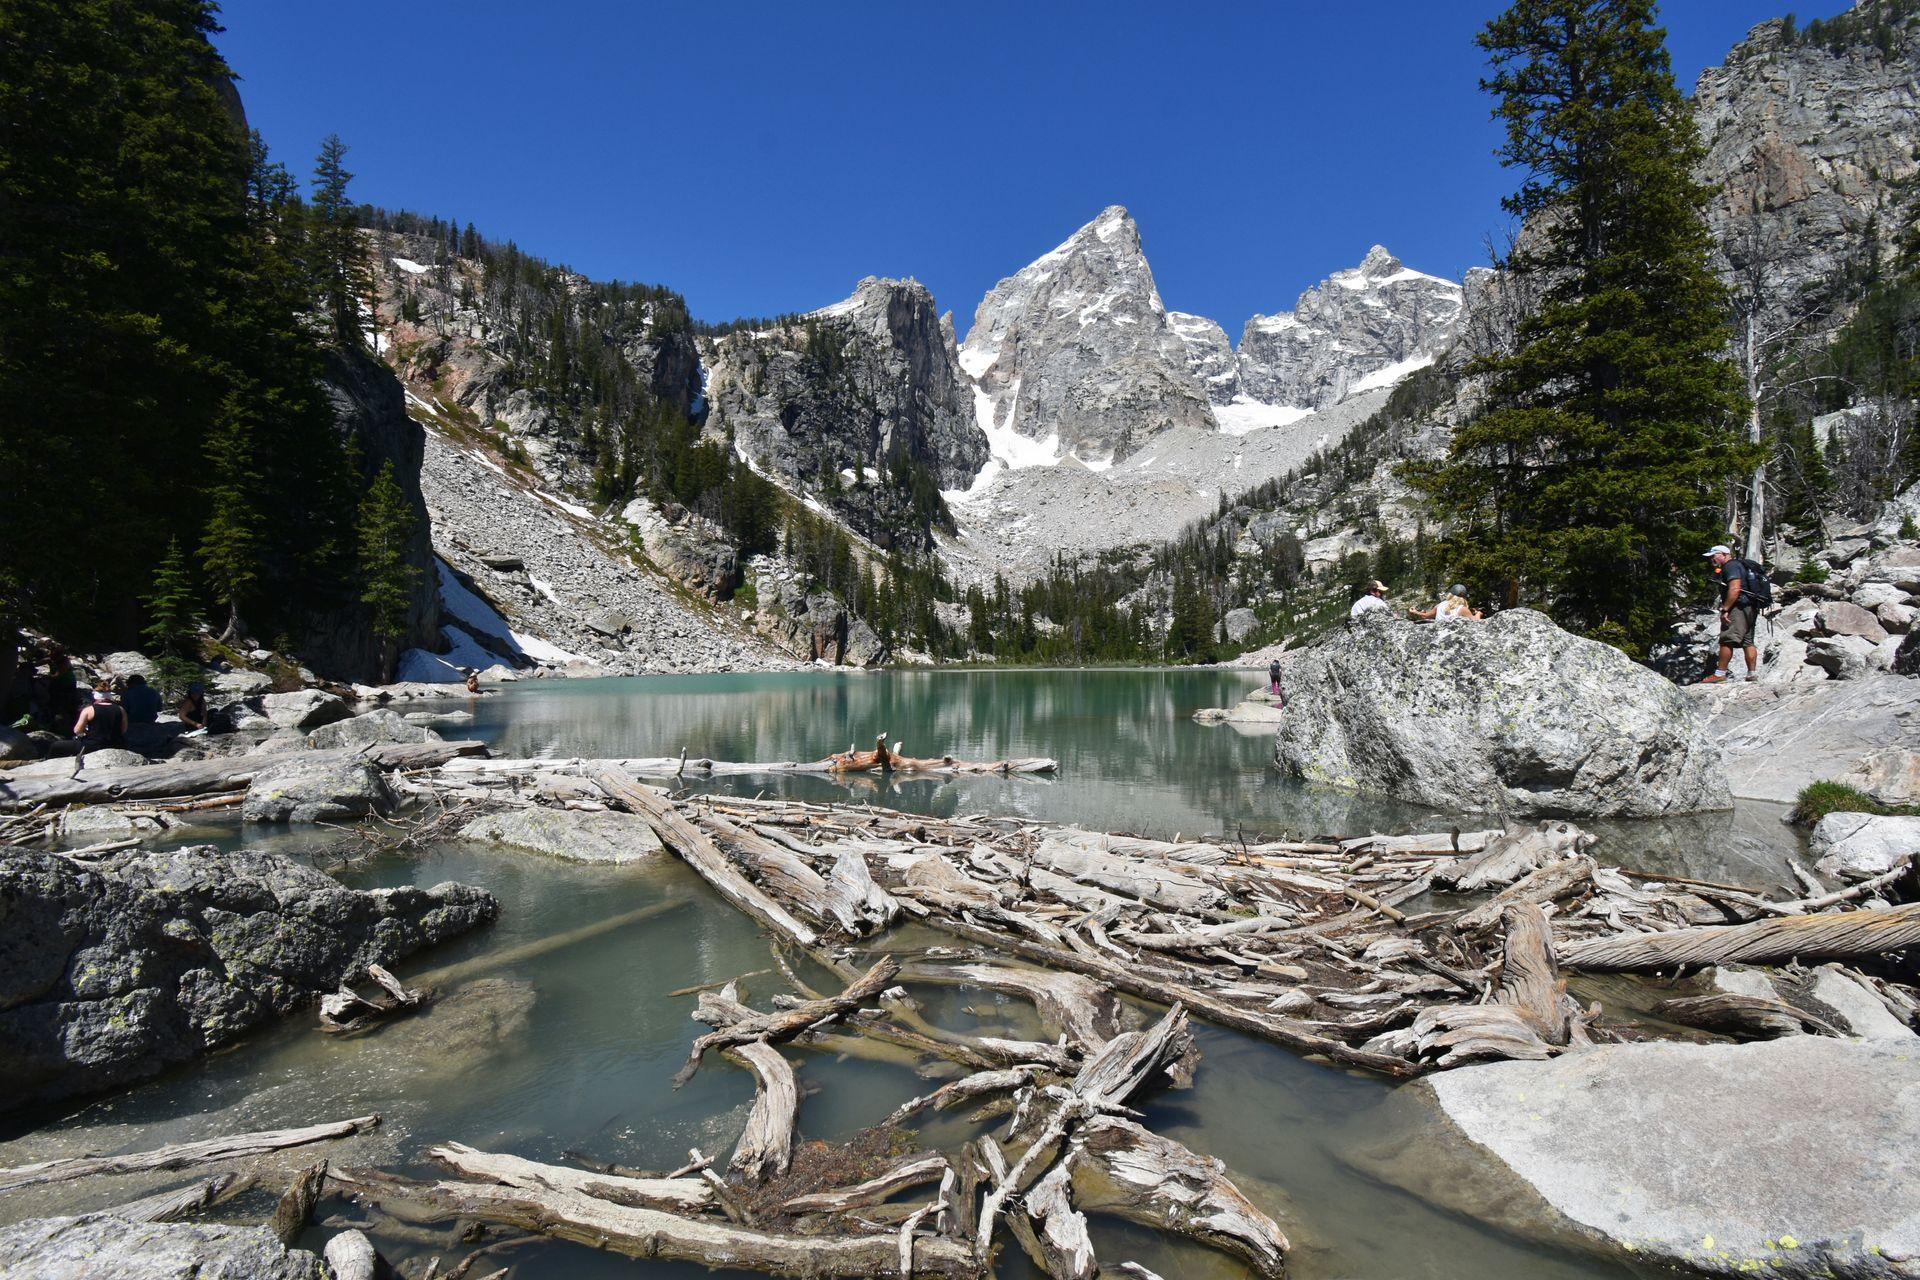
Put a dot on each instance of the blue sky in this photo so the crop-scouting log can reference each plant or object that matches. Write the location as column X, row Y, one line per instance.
column 761, row 158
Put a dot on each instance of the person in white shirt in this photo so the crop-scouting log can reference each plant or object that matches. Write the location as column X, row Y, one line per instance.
column 1452, row 605
column 1373, row 600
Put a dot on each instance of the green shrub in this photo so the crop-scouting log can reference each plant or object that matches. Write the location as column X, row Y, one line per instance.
column 1811, row 571
column 1818, row 799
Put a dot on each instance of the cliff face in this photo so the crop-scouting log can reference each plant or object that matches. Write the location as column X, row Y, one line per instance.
column 1356, row 329
column 481, row 338
column 857, row 404
column 1077, row 351
column 1811, row 145
column 369, row 407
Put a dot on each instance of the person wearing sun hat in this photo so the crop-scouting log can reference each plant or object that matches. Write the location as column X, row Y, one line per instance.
column 1371, row 600
column 1739, row 611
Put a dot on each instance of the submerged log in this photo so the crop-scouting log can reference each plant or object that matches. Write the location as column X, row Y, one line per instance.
column 549, row 1207
column 181, row 1155
column 1742, row 1017
column 1836, row 935
column 351, row 1256
column 1120, row 1168
column 182, row 1202
column 295, row 1208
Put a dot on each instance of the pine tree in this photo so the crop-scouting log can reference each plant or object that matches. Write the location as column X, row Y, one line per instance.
column 342, row 273
column 230, row 547
column 1596, row 475
column 172, row 622
column 386, row 577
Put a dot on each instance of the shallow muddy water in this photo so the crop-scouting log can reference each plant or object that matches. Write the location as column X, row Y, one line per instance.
column 572, row 1048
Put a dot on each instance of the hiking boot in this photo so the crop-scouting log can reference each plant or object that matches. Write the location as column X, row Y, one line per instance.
column 1716, row 678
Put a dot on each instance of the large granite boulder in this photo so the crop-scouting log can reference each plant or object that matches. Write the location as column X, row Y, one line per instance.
column 1890, row 775
column 1789, row 1157
column 114, row 971
column 323, row 786
column 577, row 836
column 100, row 1245
column 376, row 728
column 304, row 709
column 1511, row 715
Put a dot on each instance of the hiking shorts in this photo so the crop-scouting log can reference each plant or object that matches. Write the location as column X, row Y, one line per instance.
column 1737, row 631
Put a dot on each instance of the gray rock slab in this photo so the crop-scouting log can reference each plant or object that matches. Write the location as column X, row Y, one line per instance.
column 1859, row 846
column 1508, row 715
column 304, row 709
column 1778, row 738
column 1890, row 775
column 101, row 1246
column 1861, row 1011
column 324, row 786
column 375, row 728
column 576, row 835
column 1791, row 1157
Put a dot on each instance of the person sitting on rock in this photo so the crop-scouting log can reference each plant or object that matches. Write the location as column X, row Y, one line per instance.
column 63, row 687
column 102, row 723
column 1452, row 605
column 473, row 680
column 1739, row 612
column 1373, row 600
column 141, row 701
column 193, row 708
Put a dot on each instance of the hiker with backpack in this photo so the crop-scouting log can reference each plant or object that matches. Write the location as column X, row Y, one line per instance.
column 1743, row 590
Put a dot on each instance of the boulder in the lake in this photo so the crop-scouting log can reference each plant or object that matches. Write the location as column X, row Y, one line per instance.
column 1859, row 846
column 304, row 709
column 323, row 786
column 1790, row 1157
column 115, row 970
column 1508, row 715
column 101, row 1245
column 377, row 728
column 576, row 835
column 460, row 1031
column 98, row 822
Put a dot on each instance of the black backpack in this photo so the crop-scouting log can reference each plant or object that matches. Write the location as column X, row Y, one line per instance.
column 1754, row 582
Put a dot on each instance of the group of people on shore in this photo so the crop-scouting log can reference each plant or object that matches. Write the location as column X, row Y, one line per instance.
column 1454, row 604
column 1741, row 590
column 47, row 694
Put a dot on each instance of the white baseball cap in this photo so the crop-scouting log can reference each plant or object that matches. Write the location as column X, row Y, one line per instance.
column 1721, row 549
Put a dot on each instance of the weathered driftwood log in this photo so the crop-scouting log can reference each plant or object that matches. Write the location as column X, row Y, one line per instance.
column 687, row 766
column 1087, row 1012
column 1743, row 1017
column 1556, row 881
column 1512, row 855
column 295, row 1207
column 785, row 1024
column 1124, row 976
column 1126, row 1065
column 197, row 777
column 682, row 1194
column 552, row 1208
column 954, row 1092
column 1834, row 935
column 700, row 853
column 346, row 1010
column 765, row 1148
column 351, row 1256
column 907, row 1171
column 1120, row 1168
column 1065, row 1247
column 1529, row 1016
column 182, row 1202
column 181, row 1155
column 1166, row 885
column 861, row 906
